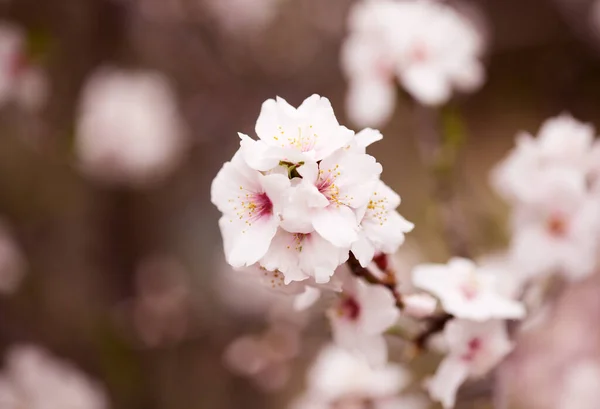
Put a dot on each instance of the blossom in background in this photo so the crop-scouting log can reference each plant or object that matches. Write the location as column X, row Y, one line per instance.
column 20, row 80
column 559, row 232
column 33, row 379
column 162, row 306
column 339, row 379
column 243, row 16
column 466, row 291
column 129, row 130
column 551, row 182
column 304, row 194
column 474, row 348
column 265, row 358
column 430, row 47
column 563, row 145
column 361, row 316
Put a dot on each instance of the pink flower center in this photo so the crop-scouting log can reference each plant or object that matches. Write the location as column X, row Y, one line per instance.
column 18, row 64
column 254, row 206
column 326, row 184
column 418, row 53
column 473, row 348
column 350, row 309
column 557, row 225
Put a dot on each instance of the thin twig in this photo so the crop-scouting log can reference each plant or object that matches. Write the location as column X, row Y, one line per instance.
column 388, row 282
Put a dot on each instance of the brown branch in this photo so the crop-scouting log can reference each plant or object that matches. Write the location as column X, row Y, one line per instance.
column 388, row 282
column 435, row 324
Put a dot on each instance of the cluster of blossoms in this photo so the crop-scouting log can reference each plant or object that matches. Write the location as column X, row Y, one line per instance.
column 552, row 183
column 430, row 47
column 299, row 198
column 33, row 379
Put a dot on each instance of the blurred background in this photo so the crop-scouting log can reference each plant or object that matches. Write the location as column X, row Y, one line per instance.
column 128, row 280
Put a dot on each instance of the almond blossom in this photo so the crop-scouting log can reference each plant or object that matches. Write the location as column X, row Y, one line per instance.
column 330, row 195
column 559, row 232
column 339, row 379
column 129, row 129
column 361, row 316
column 563, row 144
column 251, row 204
column 474, row 349
column 429, row 46
column 381, row 228
column 466, row 291
column 308, row 133
column 33, row 379
column 301, row 197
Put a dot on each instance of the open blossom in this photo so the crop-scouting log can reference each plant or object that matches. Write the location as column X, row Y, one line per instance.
column 559, row 232
column 33, row 379
column 308, row 133
column 381, row 228
column 562, row 145
column 474, row 349
column 361, row 316
column 339, row 379
column 251, row 204
column 301, row 197
column 466, row 291
column 129, row 128
column 429, row 46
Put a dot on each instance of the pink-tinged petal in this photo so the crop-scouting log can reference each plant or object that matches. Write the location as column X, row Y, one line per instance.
column 363, row 250
column 277, row 188
column 419, row 305
column 371, row 101
column 445, row 383
column 273, row 114
column 426, row 84
column 336, row 224
column 257, row 154
column 378, row 311
column 247, row 244
column 469, row 77
column 234, row 179
column 307, row 299
column 367, row 137
column 245, row 356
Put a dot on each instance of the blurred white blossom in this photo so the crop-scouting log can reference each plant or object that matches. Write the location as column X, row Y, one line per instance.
column 162, row 307
column 33, row 379
column 551, row 181
column 429, row 46
column 466, row 291
column 474, row 348
column 339, row 379
column 20, row 80
column 241, row 17
column 265, row 358
column 129, row 130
